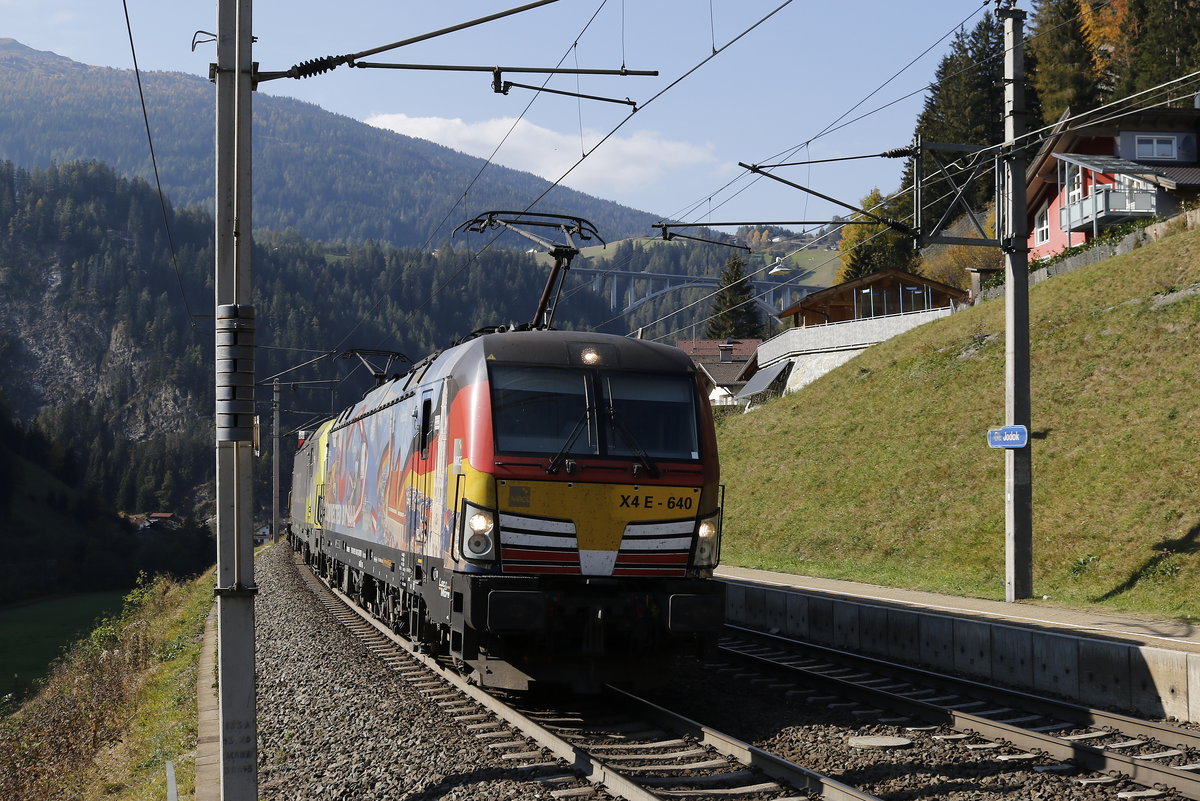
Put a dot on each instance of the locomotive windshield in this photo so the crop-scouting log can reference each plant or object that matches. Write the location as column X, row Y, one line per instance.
column 537, row 409
column 553, row 411
column 654, row 414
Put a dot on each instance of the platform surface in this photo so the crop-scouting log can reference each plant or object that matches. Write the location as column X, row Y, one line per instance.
column 1170, row 634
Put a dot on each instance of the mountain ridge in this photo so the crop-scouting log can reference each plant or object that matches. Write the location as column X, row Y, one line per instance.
column 369, row 183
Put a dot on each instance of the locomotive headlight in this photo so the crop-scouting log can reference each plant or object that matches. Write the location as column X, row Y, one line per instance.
column 708, row 541
column 478, row 541
column 480, row 523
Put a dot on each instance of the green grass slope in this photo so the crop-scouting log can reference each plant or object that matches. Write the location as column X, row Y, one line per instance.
column 116, row 707
column 879, row 471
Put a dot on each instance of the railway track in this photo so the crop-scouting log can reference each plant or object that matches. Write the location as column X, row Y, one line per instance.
column 616, row 745
column 1016, row 726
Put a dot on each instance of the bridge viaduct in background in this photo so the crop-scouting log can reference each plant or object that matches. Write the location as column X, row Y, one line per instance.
column 626, row 290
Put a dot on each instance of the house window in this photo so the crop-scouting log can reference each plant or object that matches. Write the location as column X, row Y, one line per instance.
column 1155, row 147
column 1041, row 227
column 1075, row 182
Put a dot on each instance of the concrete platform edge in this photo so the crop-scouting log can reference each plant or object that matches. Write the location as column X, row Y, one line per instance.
column 1093, row 670
column 208, row 728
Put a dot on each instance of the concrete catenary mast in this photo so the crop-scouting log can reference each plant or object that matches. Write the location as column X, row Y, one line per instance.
column 1018, row 473
column 235, row 404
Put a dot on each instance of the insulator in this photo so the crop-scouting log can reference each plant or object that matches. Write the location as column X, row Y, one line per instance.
column 235, row 373
column 316, row 66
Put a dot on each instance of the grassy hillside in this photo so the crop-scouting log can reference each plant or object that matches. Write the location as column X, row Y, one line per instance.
column 879, row 471
column 117, row 706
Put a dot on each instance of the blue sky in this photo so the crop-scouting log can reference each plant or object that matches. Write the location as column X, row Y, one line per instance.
column 776, row 88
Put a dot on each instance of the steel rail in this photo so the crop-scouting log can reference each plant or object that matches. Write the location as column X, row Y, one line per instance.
column 1141, row 771
column 578, row 761
column 1068, row 711
column 774, row 766
column 593, row 769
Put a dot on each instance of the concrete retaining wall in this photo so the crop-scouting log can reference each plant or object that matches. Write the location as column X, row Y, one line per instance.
column 1154, row 682
column 1151, row 233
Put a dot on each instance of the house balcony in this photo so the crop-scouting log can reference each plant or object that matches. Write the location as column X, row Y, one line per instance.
column 1106, row 207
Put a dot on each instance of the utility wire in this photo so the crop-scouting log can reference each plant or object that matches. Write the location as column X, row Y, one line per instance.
column 832, row 127
column 758, row 272
column 829, row 128
column 823, row 132
column 162, row 201
column 1152, row 92
column 463, row 195
column 604, row 139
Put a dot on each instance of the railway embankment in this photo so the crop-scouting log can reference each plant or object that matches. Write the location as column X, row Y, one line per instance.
column 879, row 471
column 117, row 706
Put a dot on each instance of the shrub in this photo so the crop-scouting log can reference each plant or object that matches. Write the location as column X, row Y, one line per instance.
column 47, row 743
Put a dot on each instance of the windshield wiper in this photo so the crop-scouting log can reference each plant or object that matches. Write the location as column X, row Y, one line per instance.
column 633, row 444
column 556, row 462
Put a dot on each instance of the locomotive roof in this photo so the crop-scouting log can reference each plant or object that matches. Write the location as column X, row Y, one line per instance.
column 564, row 347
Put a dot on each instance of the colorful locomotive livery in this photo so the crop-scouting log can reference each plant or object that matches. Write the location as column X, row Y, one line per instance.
column 539, row 506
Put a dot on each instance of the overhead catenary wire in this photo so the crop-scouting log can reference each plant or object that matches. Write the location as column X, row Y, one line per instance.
column 604, row 139
column 749, row 277
column 1153, row 91
column 715, row 52
column 463, row 195
column 823, row 132
column 162, row 200
column 454, row 277
column 831, row 128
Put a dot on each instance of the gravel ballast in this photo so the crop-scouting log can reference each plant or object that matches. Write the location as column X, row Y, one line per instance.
column 334, row 722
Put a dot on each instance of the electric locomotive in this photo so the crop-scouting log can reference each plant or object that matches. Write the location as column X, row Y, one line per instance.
column 536, row 505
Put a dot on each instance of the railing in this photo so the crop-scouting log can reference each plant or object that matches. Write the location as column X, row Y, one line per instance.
column 844, row 335
column 1119, row 204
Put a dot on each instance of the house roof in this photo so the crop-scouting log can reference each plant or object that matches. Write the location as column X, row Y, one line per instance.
column 731, row 374
column 725, row 374
column 1110, row 165
column 1173, row 177
column 742, row 348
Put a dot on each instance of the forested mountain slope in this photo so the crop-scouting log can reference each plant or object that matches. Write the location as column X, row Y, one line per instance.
column 107, row 348
column 327, row 176
column 98, row 347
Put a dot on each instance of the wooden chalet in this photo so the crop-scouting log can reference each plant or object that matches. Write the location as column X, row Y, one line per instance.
column 879, row 294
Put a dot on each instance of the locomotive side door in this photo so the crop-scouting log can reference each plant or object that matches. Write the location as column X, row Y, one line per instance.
column 422, row 501
column 430, row 482
column 439, row 514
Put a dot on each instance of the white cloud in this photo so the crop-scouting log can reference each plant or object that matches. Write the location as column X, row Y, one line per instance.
column 622, row 167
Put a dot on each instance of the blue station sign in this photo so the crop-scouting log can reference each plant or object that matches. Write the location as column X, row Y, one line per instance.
column 1008, row 437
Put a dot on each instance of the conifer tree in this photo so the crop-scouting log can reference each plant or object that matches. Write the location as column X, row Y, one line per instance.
column 734, row 314
column 869, row 247
column 1162, row 45
column 965, row 106
column 1064, row 77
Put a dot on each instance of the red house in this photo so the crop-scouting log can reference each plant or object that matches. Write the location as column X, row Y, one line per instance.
column 1089, row 176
